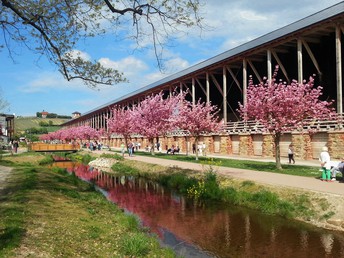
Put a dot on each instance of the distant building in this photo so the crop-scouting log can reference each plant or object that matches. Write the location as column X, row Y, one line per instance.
column 76, row 114
column 44, row 114
column 6, row 127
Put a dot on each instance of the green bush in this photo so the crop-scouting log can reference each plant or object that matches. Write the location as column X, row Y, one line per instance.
column 46, row 160
column 112, row 156
column 121, row 168
column 135, row 245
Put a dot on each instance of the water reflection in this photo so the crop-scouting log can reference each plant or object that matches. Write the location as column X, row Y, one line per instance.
column 214, row 231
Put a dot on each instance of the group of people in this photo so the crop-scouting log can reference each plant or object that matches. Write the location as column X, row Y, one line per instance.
column 329, row 168
column 93, row 145
column 14, row 146
column 173, row 150
column 200, row 149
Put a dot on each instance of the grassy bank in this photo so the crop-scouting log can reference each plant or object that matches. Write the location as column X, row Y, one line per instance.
column 208, row 186
column 46, row 212
column 298, row 170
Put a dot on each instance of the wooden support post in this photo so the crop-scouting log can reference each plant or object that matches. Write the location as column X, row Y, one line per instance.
column 339, row 73
column 224, row 90
column 299, row 61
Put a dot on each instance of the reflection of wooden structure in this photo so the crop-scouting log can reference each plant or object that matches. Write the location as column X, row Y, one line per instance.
column 38, row 146
column 63, row 164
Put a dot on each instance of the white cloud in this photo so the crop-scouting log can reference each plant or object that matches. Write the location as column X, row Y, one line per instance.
column 252, row 16
column 129, row 65
column 77, row 53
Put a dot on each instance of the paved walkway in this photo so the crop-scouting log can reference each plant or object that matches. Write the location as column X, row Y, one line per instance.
column 307, row 183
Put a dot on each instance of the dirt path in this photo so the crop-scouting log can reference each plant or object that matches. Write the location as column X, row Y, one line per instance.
column 4, row 173
column 306, row 183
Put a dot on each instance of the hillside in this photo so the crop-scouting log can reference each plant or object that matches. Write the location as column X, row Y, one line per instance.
column 21, row 124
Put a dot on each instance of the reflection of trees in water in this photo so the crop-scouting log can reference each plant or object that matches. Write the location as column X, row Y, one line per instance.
column 229, row 232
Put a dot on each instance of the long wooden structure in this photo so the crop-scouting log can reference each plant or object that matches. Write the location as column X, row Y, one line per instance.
column 312, row 45
column 60, row 147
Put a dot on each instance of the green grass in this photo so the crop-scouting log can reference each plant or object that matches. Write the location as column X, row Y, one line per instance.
column 307, row 171
column 57, row 215
column 21, row 124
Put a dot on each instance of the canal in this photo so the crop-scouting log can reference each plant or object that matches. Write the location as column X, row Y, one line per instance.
column 194, row 230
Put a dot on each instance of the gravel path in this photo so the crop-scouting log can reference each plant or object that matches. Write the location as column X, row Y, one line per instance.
column 307, row 183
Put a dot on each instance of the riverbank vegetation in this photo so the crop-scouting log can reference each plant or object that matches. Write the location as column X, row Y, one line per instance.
column 297, row 170
column 46, row 212
column 208, row 186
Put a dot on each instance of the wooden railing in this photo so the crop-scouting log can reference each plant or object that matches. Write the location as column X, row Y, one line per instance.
column 324, row 125
column 38, row 146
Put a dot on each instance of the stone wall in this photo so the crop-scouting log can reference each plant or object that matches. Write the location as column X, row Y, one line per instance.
column 302, row 143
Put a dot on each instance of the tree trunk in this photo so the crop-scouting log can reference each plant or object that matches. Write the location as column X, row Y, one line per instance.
column 196, row 142
column 277, row 139
column 151, row 141
column 186, row 147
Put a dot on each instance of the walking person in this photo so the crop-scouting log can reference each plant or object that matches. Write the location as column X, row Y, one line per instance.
column 194, row 148
column 325, row 163
column 130, row 149
column 122, row 148
column 204, row 149
column 291, row 153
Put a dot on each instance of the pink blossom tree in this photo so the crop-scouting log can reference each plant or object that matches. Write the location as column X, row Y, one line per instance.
column 73, row 133
column 197, row 119
column 121, row 122
column 280, row 107
column 152, row 116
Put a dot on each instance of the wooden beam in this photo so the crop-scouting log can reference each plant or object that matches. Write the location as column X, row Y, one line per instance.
column 207, row 87
column 299, row 61
column 193, row 91
column 244, row 80
column 339, row 73
column 224, row 95
column 234, row 78
column 201, row 86
column 269, row 65
column 216, row 84
column 254, row 70
column 311, row 55
column 280, row 65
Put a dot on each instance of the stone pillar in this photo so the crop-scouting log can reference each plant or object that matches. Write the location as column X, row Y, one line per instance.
column 302, row 146
column 229, row 144
column 209, row 143
column 268, row 146
column 336, row 144
column 246, row 145
column 224, row 144
column 181, row 142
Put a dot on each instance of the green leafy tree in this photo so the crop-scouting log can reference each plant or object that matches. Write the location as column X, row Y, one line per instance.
column 54, row 29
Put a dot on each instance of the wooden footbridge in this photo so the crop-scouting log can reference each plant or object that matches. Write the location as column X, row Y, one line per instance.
column 47, row 147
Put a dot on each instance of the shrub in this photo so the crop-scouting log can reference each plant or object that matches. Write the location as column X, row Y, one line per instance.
column 135, row 245
column 112, row 156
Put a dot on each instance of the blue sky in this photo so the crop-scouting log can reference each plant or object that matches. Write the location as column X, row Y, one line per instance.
column 31, row 84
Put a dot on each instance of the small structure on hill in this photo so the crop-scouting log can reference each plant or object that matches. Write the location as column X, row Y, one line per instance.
column 76, row 114
column 44, row 114
column 6, row 127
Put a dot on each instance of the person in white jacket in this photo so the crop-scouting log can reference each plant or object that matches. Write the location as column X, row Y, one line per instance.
column 325, row 163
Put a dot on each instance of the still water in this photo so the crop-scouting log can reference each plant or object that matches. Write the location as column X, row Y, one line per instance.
column 212, row 231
